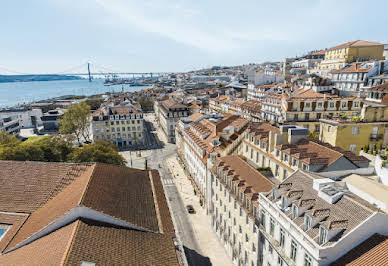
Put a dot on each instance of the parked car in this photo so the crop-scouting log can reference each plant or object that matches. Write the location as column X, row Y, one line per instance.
column 190, row 209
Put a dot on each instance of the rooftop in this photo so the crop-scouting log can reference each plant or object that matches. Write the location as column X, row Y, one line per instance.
column 84, row 212
column 358, row 43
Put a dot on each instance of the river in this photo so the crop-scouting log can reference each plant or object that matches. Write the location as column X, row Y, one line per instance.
column 13, row 93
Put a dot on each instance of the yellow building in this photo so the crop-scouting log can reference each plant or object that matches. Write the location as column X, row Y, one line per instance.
column 336, row 57
column 122, row 125
column 352, row 135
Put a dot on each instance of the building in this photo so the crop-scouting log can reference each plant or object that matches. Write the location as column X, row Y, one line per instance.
column 265, row 76
column 337, row 57
column 169, row 113
column 353, row 135
column 235, row 187
column 121, row 125
column 84, row 214
column 306, row 107
column 351, row 80
column 215, row 104
column 51, row 119
column 271, row 108
column 28, row 118
column 309, row 220
column 260, row 92
column 378, row 94
column 205, row 138
column 10, row 125
column 286, row 149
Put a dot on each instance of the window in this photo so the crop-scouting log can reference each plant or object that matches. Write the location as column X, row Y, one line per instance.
column 332, row 104
column 262, row 218
column 294, row 248
column 294, row 162
column 344, row 104
column 320, row 104
column 295, row 117
column 322, row 235
column 307, row 117
column 240, row 229
column 240, row 211
column 294, row 211
column 356, row 104
column 307, row 222
column 280, row 261
column 272, row 227
column 3, row 229
column 308, row 105
column 281, row 237
column 246, row 238
column 234, row 221
column 308, row 261
column 304, row 167
column 355, row 130
column 246, row 148
column 353, row 147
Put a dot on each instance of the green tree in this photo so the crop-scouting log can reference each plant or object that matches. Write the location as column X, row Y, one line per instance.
column 100, row 151
column 76, row 121
column 8, row 139
column 94, row 103
column 313, row 135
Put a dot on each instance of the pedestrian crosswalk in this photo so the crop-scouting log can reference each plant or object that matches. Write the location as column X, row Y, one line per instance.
column 168, row 181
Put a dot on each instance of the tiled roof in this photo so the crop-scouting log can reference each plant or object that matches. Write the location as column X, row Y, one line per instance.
column 373, row 251
column 170, row 103
column 381, row 88
column 347, row 213
column 26, row 186
column 354, row 68
column 134, row 198
column 235, row 166
column 358, row 43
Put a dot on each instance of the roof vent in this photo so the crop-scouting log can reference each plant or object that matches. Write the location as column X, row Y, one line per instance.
column 331, row 193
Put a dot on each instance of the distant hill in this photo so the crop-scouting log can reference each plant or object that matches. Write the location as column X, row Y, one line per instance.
column 27, row 78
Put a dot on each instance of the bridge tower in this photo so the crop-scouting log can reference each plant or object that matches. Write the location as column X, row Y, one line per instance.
column 90, row 77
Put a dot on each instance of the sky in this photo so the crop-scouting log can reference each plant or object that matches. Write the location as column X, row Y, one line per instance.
column 51, row 36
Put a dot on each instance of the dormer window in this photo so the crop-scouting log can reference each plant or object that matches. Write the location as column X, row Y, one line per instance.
column 307, row 222
column 308, row 105
column 277, row 153
column 294, row 162
column 344, row 104
column 294, row 211
column 320, row 104
column 286, row 157
column 284, row 202
column 305, row 167
column 322, row 235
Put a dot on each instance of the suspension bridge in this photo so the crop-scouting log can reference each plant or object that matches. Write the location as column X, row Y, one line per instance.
column 88, row 70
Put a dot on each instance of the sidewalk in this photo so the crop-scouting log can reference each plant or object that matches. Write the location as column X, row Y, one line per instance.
column 206, row 237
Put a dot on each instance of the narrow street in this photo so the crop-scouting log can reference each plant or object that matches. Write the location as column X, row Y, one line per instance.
column 200, row 242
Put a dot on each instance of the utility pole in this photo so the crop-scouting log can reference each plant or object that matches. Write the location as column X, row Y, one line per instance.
column 90, row 77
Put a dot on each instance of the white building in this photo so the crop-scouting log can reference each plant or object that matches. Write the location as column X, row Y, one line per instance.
column 308, row 220
column 28, row 118
column 265, row 76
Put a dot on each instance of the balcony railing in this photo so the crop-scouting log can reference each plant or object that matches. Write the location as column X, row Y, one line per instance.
column 374, row 136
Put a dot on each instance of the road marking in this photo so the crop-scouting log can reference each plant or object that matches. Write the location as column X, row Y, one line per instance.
column 168, row 181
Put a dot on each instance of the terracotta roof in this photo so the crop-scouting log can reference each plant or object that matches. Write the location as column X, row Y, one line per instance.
column 358, row 43
column 373, row 251
column 134, row 198
column 354, row 68
column 170, row 103
column 26, row 186
column 235, row 166
column 381, row 88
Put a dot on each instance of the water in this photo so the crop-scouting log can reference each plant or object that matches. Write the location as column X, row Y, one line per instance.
column 14, row 93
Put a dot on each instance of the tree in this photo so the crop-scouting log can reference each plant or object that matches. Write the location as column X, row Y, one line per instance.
column 76, row 121
column 8, row 139
column 100, row 151
column 94, row 103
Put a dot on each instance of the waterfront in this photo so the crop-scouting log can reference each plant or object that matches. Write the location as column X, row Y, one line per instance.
column 14, row 93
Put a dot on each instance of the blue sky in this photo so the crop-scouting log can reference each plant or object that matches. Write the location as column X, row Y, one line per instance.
column 48, row 36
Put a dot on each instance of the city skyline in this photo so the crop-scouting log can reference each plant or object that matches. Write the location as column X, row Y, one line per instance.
column 50, row 37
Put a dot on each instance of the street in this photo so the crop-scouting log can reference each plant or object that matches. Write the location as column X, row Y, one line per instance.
column 200, row 243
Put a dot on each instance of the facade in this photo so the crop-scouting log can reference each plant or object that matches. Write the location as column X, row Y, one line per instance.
column 84, row 214
column 215, row 104
column 170, row 112
column 121, row 125
column 205, row 138
column 286, row 149
column 378, row 94
column 265, row 76
column 271, row 108
column 351, row 80
column 28, row 118
column 10, row 125
column 308, row 220
column 235, row 187
column 337, row 57
column 306, row 108
column 50, row 120
column 353, row 135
